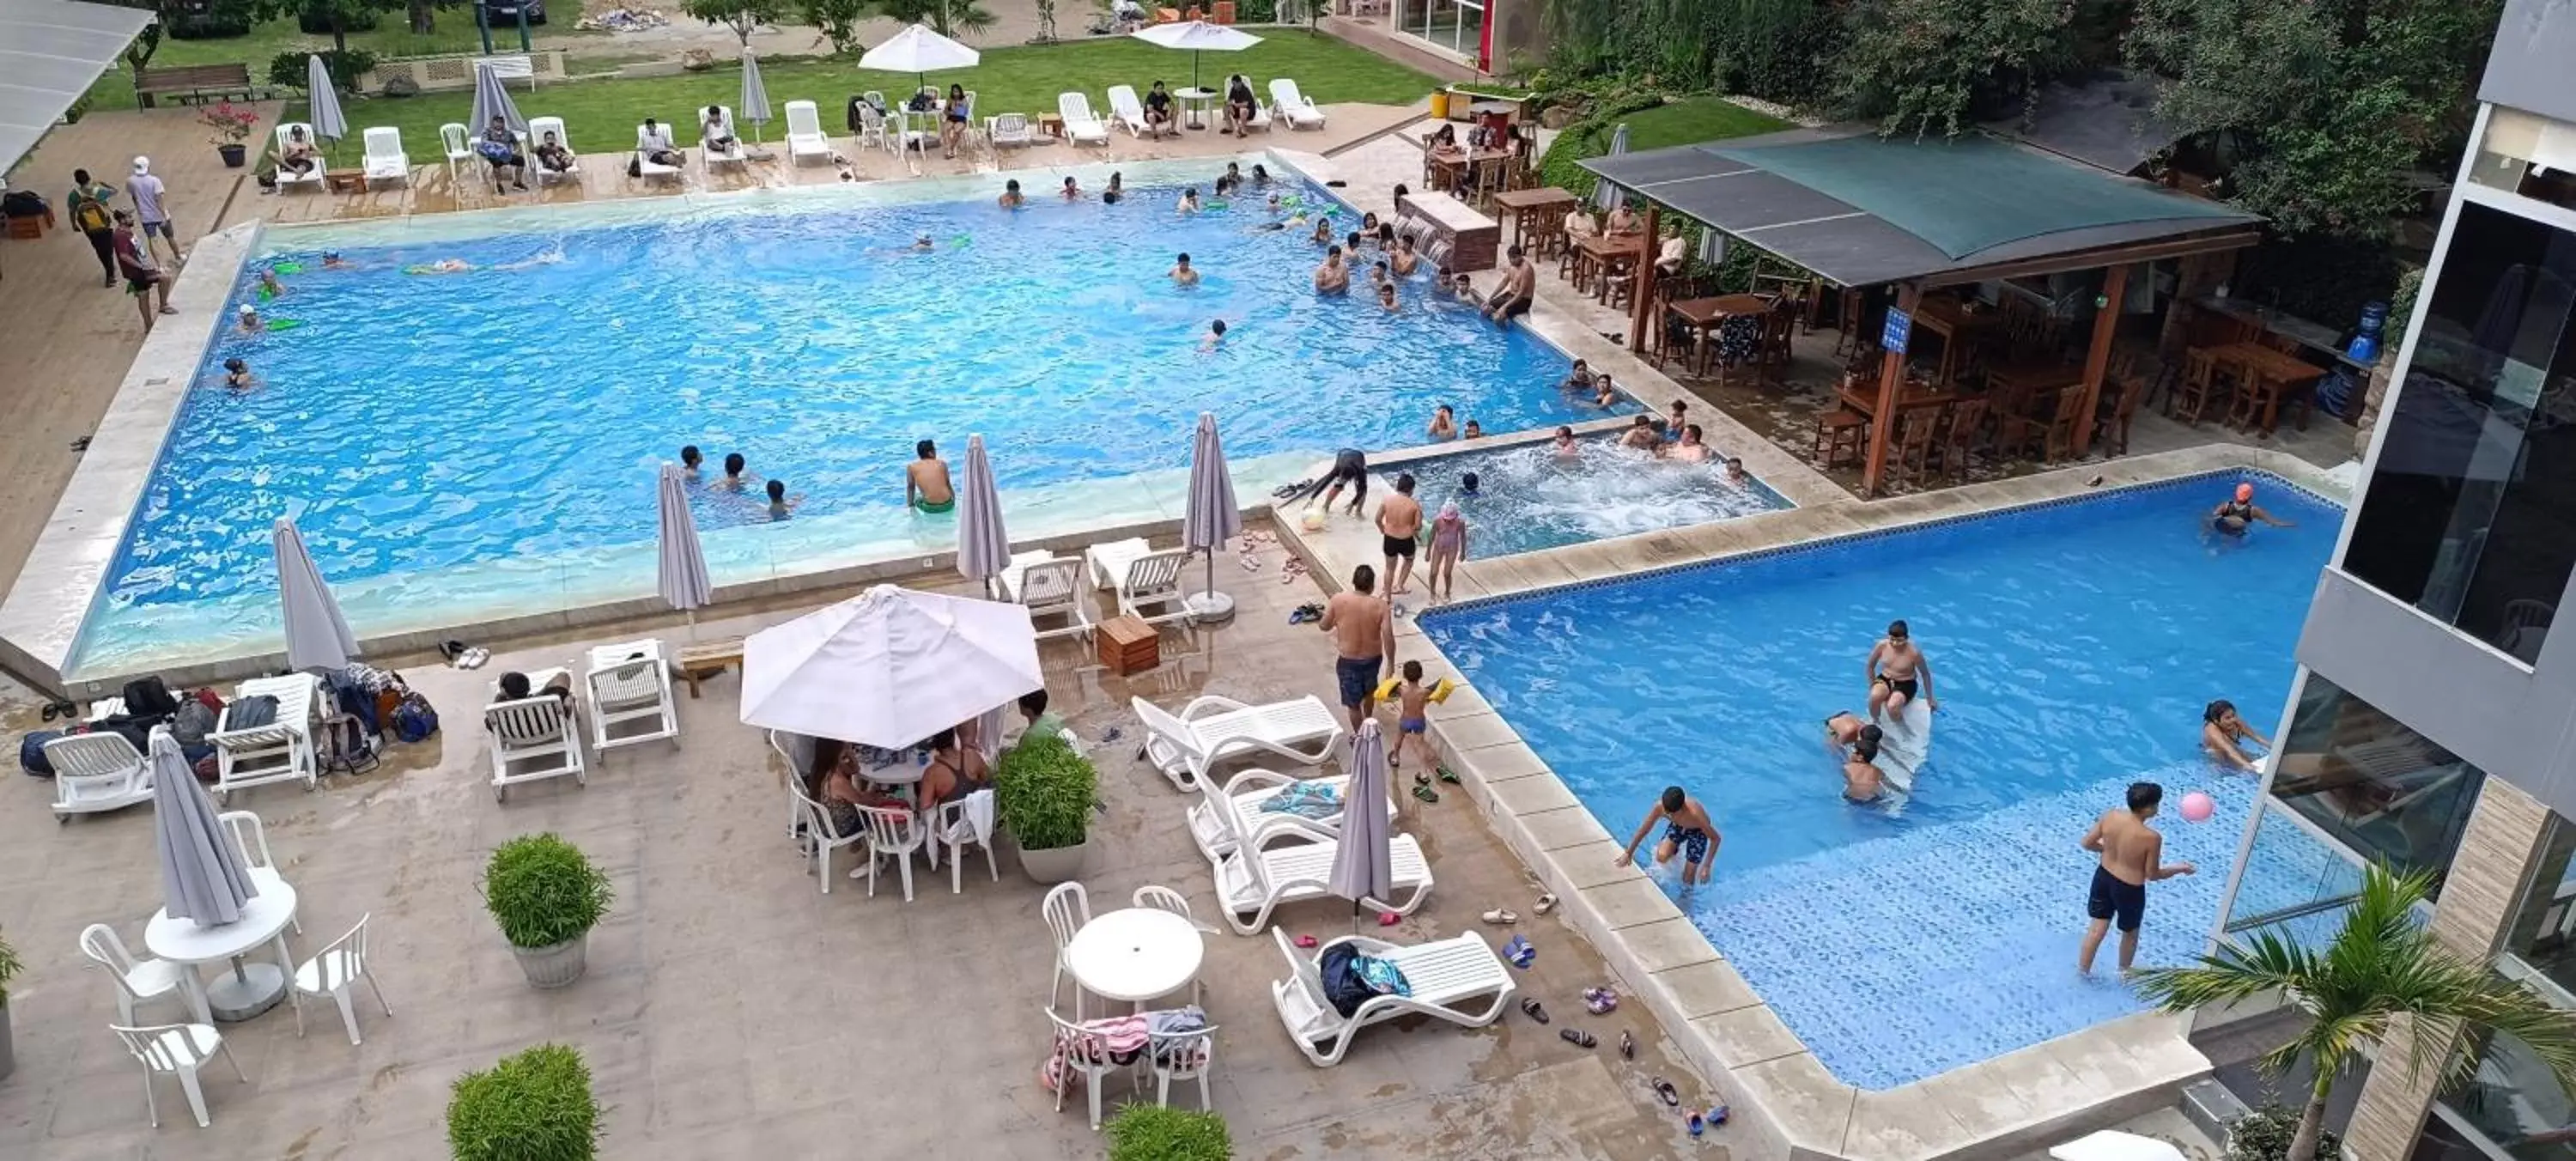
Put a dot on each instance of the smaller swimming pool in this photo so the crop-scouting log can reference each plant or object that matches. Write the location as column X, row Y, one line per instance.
column 1530, row 497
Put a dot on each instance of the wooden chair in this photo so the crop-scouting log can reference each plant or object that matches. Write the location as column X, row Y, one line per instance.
column 1777, row 328
column 1847, row 337
column 1839, row 434
column 1959, row 439
column 1917, row 431
column 2019, row 429
column 2064, row 421
column 2111, row 421
column 2204, row 388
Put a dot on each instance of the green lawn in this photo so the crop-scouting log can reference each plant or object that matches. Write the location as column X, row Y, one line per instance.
column 1694, row 119
column 391, row 37
column 601, row 115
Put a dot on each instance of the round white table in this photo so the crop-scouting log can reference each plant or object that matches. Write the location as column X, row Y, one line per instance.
column 248, row 989
column 1135, row 954
column 1195, row 103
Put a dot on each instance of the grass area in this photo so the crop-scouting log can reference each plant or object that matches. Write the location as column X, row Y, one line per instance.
column 391, row 37
column 601, row 115
column 1693, row 119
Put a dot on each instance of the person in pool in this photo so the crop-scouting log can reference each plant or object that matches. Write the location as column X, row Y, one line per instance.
column 1677, row 420
column 1110, row 196
column 779, row 503
column 1861, row 778
column 1332, row 277
column 1189, row 203
column 691, row 462
column 1215, row 336
column 1897, row 671
column 922, row 244
column 1386, row 299
column 2238, row 516
column 247, row 319
column 1368, row 224
column 1181, row 273
column 1471, row 485
column 1641, row 435
column 1690, row 450
column 1465, row 290
column 1842, row 728
column 1604, row 392
column 1011, row 198
column 1072, row 190
column 1444, row 425
column 1260, row 177
column 1230, row 180
column 1377, row 274
column 733, row 480
column 1579, row 379
column 2132, row 857
column 1687, row 832
column 1565, row 447
column 237, row 376
column 925, row 481
column 1735, row 473
column 2223, row 735
column 1402, row 259
column 1323, row 235
column 1473, row 429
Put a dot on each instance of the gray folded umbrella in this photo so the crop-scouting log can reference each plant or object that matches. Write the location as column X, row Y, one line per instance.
column 1364, row 862
column 1211, row 517
column 492, row 97
column 322, row 102
column 684, row 565
column 755, row 95
column 317, row 636
column 203, row 876
column 983, row 548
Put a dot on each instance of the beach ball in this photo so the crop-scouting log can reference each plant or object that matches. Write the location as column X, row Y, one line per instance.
column 2197, row 807
column 1312, row 521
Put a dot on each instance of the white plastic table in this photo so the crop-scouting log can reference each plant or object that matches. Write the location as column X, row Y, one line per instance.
column 1135, row 954
column 248, row 989
column 1195, row 103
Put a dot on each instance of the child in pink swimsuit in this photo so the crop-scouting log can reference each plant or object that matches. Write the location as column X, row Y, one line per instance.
column 1448, row 547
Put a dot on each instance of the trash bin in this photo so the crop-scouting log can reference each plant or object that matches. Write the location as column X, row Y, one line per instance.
column 1440, row 105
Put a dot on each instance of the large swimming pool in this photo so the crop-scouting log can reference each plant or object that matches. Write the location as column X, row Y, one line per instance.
column 442, row 435
column 2072, row 647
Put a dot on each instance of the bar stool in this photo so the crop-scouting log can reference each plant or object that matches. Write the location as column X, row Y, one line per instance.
column 1838, row 436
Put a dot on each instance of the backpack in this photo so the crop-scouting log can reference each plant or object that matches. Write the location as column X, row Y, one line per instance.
column 31, row 753
column 192, row 723
column 90, row 214
column 252, row 712
column 149, row 697
column 1342, row 984
column 414, row 720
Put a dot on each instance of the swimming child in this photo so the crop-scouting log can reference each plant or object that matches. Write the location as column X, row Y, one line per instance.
column 2238, row 516
column 1011, row 198
column 2222, row 734
column 1565, row 446
column 1386, row 297
column 1448, row 547
column 1443, row 427
column 691, row 462
column 779, row 504
column 1215, row 336
column 1604, row 392
column 1323, row 235
column 249, row 319
column 331, row 260
column 1687, row 832
column 1189, row 201
column 237, row 375
column 1072, row 191
column 1861, row 778
column 1182, row 273
column 1413, row 718
column 1110, row 196
column 733, row 480
column 1468, row 484
column 922, row 242
column 1474, row 430
column 268, row 282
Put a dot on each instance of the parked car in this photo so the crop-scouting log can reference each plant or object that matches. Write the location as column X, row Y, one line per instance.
column 505, row 13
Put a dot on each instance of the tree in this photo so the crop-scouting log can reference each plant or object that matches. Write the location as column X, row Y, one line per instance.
column 945, row 17
column 2381, row 965
column 837, row 20
column 744, row 17
column 1931, row 66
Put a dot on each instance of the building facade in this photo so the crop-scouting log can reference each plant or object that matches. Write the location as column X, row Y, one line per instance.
column 2433, row 722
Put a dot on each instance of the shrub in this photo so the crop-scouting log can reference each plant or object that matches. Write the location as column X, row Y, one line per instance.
column 1142, row 1132
column 1043, row 791
column 544, row 891
column 532, row 1106
column 2264, row 1135
column 9, row 969
column 288, row 70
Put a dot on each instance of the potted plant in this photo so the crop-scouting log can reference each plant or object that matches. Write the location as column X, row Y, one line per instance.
column 1143, row 1132
column 9, row 969
column 231, row 125
column 1043, row 791
column 532, row 1106
column 547, row 896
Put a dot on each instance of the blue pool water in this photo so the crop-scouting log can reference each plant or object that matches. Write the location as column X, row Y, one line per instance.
column 1529, row 497
column 2072, row 648
column 418, row 423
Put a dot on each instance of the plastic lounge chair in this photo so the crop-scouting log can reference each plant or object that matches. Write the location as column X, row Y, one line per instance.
column 1049, row 587
column 709, row 158
column 540, row 736
column 1126, row 110
column 538, row 127
column 385, row 160
column 280, row 751
column 805, row 136
column 96, row 772
column 631, row 684
column 1212, row 729
column 1287, row 102
column 1441, row 974
column 1290, row 860
column 1080, row 126
column 287, row 177
column 646, row 167
column 1008, row 129
column 459, row 146
column 1148, row 583
column 1224, row 815
column 2113, row 1145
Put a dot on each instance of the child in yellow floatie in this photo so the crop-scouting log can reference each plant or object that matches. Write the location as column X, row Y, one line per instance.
column 1413, row 697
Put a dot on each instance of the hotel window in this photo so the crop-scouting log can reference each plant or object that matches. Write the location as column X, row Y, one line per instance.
column 2379, row 788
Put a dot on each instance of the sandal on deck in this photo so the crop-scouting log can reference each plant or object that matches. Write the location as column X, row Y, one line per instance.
column 1578, row 1038
column 1672, row 1097
column 1530, row 1007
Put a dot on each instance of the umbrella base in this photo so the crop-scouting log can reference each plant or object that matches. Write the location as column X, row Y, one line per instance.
column 246, row 991
column 1209, row 608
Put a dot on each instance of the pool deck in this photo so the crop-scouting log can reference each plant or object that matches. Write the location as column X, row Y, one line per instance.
column 1781, row 1094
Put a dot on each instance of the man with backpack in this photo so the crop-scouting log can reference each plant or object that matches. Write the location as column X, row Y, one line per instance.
column 92, row 205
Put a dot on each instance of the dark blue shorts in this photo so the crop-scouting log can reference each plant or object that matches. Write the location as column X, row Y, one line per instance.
column 1358, row 678
column 1691, row 841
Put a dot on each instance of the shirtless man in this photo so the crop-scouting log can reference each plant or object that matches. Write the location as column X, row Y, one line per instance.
column 1897, row 672
column 1520, row 281
column 1687, row 829
column 1332, row 277
column 2221, row 731
column 1399, row 523
column 1182, row 273
column 2132, row 856
column 1641, row 435
column 1861, row 779
column 925, row 481
column 1363, row 629
column 1690, row 450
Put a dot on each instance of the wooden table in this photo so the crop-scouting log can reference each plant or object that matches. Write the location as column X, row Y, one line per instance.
column 1598, row 257
column 2270, row 374
column 1051, row 124
column 1865, row 400
column 1956, row 325
column 1533, row 205
column 1444, row 169
column 707, row 658
column 1703, row 316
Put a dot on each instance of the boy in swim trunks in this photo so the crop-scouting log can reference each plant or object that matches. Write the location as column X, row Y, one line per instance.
column 2132, row 857
column 925, row 481
column 1898, row 672
column 1687, row 831
column 1861, row 779
column 1413, row 717
column 1399, row 523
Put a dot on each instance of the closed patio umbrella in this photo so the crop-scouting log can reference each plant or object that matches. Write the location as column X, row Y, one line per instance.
column 492, row 97
column 1197, row 36
column 684, row 581
column 322, row 102
column 1211, row 518
column 317, row 636
column 888, row 667
column 918, row 50
column 983, row 548
column 203, row 876
column 1364, row 862
column 755, row 95
column 1604, row 194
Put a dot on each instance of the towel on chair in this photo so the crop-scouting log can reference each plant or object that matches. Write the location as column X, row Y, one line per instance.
column 978, row 822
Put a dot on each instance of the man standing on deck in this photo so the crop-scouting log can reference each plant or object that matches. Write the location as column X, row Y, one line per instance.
column 1399, row 528
column 1363, row 629
column 2132, row 856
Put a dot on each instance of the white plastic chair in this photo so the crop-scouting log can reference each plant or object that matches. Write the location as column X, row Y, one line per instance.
column 630, row 685
column 950, row 828
column 818, row 831
column 335, row 972
column 1287, row 102
column 805, row 136
column 251, row 835
column 1086, row 1052
column 282, row 750
column 1081, row 126
column 95, row 772
column 708, row 158
column 892, row 830
column 179, row 1049
column 1049, row 587
column 645, row 166
column 1184, row 1057
column 1162, row 898
column 1125, row 109
column 453, row 138
column 872, row 129
column 287, row 177
column 136, row 980
column 1067, row 908
column 385, row 159
column 1008, row 129
column 538, row 127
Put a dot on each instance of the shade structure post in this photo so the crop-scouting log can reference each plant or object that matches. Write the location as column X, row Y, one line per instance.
column 1641, row 285
column 2097, row 356
column 1891, row 384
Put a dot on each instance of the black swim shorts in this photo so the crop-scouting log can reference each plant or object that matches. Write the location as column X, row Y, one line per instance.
column 2112, row 898
column 1399, row 546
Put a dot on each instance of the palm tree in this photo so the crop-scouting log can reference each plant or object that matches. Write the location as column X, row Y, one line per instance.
column 2379, row 966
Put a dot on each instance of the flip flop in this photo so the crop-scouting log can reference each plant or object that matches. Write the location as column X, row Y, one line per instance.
column 1448, row 777
column 1530, row 1007
column 1696, row 1125
column 1502, row 916
column 1426, row 794
column 1546, row 903
column 1305, row 941
column 1421, row 779
column 1388, row 919
column 1717, row 1114
column 1602, row 1001
column 1627, row 1045
column 1672, row 1097
column 1578, row 1038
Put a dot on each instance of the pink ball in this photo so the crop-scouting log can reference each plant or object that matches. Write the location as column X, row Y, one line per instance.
column 2197, row 807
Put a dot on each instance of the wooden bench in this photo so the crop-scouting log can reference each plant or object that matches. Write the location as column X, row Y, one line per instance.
column 706, row 659
column 196, row 84
column 1474, row 239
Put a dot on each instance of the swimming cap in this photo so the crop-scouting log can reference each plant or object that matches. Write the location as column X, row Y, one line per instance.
column 246, row 310
column 2244, row 492
column 1449, row 509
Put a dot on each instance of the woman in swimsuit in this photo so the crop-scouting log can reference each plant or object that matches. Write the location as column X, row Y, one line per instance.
column 2222, row 734
column 1898, row 672
column 954, row 130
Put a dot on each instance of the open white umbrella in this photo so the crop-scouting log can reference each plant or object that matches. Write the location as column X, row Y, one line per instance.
column 1211, row 518
column 983, row 548
column 1364, row 862
column 918, row 50
column 2112, row 1145
column 888, row 667
column 203, row 876
column 322, row 102
column 1604, row 194
column 492, row 98
column 317, row 636
column 1197, row 36
column 755, row 95
column 684, row 580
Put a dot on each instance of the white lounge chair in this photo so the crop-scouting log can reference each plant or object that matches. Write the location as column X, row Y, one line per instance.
column 805, row 136
column 281, row 751
column 1008, row 129
column 1222, row 816
column 1126, row 110
column 385, row 159
column 1049, row 587
column 538, row 127
column 646, row 167
column 1440, row 974
column 630, row 685
column 95, row 772
column 458, row 145
column 1287, row 102
column 1080, row 126
column 534, row 738
column 1212, row 729
column 287, row 177
column 708, row 156
column 1291, row 861
column 1148, row 582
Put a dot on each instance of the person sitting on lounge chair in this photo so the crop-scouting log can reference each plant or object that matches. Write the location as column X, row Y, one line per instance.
column 1239, row 106
column 514, row 687
column 500, row 147
column 656, row 145
column 953, row 125
column 552, row 156
column 298, row 157
column 1158, row 110
column 715, row 134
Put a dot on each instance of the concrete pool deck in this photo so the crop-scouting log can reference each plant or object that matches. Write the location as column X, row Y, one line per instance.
column 1781, row 1093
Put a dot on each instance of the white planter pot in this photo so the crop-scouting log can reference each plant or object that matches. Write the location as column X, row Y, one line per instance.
column 557, row 966
column 1060, row 865
column 8, row 1052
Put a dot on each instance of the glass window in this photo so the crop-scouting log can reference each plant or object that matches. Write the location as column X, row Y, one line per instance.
column 2378, row 787
column 2543, row 937
column 2470, row 513
column 2509, row 1108
column 2294, row 886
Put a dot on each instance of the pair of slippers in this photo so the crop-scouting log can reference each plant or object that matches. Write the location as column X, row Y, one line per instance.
column 1422, row 788
column 1577, row 1037
column 464, row 656
column 1600, row 1001
column 1521, row 953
